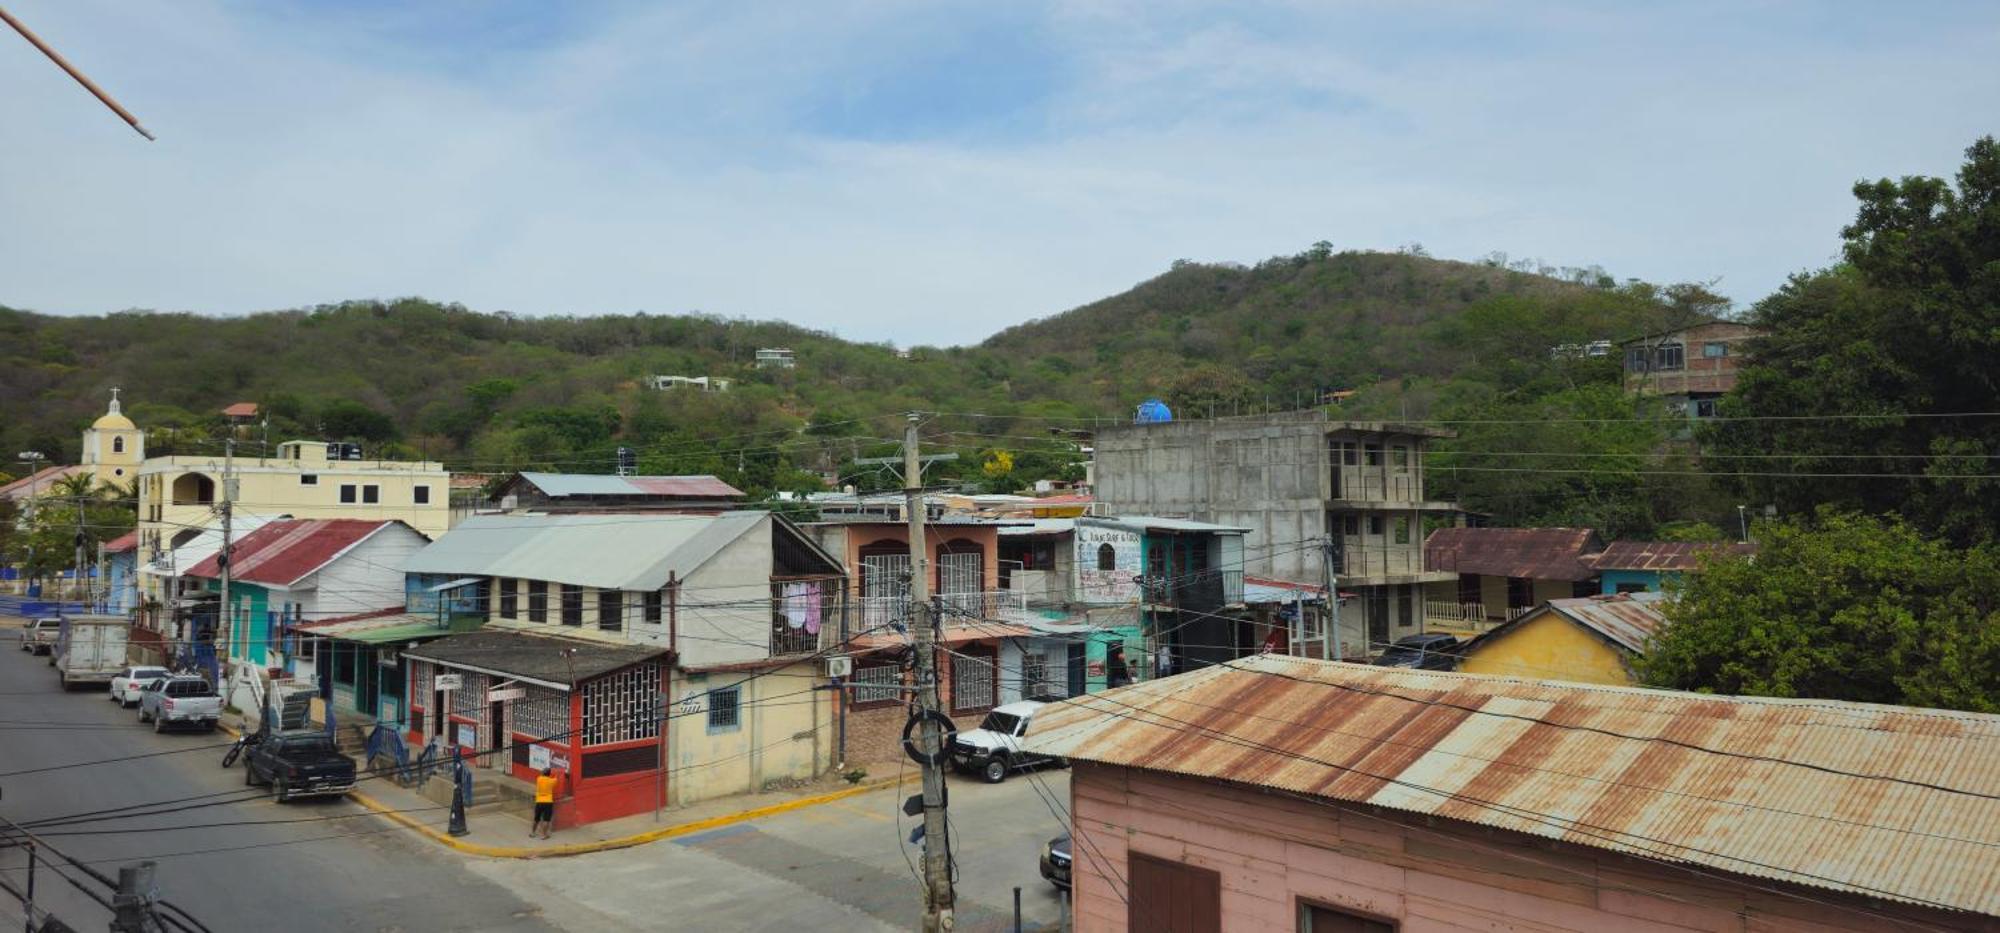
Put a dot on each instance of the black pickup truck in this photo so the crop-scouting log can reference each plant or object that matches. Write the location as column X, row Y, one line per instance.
column 298, row 764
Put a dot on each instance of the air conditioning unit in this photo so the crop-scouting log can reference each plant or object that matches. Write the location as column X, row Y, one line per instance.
column 839, row 666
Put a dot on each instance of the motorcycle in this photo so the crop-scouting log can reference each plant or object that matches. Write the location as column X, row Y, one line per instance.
column 243, row 741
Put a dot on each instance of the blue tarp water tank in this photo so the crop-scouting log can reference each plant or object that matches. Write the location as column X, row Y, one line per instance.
column 1152, row 411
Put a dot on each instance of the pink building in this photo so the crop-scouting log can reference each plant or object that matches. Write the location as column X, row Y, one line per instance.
column 1279, row 793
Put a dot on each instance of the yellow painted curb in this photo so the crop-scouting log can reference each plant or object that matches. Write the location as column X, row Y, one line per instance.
column 623, row 842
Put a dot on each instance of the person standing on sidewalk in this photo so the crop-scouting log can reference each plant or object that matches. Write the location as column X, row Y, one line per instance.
column 545, row 803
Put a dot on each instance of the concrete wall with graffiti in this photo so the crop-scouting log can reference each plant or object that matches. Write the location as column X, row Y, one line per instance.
column 1107, row 563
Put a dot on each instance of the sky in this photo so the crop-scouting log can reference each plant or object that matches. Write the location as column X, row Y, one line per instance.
column 932, row 172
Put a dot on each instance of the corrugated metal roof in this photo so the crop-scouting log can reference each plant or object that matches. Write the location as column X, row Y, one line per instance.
column 1531, row 553
column 1628, row 620
column 1662, row 555
column 625, row 551
column 202, row 543
column 1154, row 523
column 128, row 541
column 1887, row 801
column 284, row 552
column 561, row 485
column 551, row 660
column 1040, row 526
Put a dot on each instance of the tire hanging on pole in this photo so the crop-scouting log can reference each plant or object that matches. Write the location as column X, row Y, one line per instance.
column 943, row 753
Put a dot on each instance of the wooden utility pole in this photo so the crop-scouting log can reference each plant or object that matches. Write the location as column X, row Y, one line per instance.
column 939, row 898
column 1332, row 618
column 225, row 623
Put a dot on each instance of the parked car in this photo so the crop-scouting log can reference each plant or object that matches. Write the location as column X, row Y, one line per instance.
column 132, row 681
column 994, row 748
column 298, row 763
column 39, row 636
column 1055, row 861
column 1435, row 651
column 180, row 701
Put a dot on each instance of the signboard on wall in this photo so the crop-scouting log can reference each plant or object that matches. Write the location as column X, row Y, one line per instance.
column 694, row 702
column 1107, row 563
column 449, row 682
column 538, row 757
column 468, row 736
column 504, row 694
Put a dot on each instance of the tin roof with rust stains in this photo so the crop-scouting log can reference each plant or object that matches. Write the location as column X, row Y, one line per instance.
column 1884, row 801
column 1529, row 553
column 1662, row 555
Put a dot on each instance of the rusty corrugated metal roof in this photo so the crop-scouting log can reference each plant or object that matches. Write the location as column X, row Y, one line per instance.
column 1661, row 555
column 1531, row 553
column 1626, row 619
column 1886, row 801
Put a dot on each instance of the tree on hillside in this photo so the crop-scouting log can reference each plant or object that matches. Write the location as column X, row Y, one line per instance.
column 1903, row 334
column 1855, row 608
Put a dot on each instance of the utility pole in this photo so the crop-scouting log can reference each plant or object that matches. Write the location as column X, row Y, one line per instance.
column 939, row 898
column 77, row 582
column 132, row 903
column 225, row 623
column 1332, row 629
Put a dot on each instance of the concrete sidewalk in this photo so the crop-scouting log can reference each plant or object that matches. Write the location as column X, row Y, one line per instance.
column 502, row 834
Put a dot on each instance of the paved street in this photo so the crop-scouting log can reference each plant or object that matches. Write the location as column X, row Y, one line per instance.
column 335, row 872
column 837, row 866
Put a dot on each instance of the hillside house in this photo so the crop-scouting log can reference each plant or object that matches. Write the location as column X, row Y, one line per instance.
column 1592, row 639
column 1688, row 368
column 775, row 358
column 632, row 646
column 1288, row 794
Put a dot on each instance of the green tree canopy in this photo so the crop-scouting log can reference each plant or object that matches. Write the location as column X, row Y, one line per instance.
column 1854, row 608
column 1905, row 334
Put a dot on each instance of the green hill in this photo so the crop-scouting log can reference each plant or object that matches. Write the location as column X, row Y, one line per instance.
column 414, row 377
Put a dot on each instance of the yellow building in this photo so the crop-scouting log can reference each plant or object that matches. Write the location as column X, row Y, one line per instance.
column 1588, row 640
column 306, row 479
column 113, row 447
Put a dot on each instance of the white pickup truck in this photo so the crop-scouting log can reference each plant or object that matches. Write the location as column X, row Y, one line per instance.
column 91, row 649
column 180, row 701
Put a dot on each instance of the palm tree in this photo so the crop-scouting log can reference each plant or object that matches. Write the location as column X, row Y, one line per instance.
column 78, row 487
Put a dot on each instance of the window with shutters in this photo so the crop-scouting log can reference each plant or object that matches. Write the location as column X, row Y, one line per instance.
column 1167, row 895
column 610, row 610
column 509, row 604
column 572, row 604
column 655, row 602
column 538, row 600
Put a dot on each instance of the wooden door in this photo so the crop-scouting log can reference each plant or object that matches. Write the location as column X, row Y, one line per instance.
column 1170, row 897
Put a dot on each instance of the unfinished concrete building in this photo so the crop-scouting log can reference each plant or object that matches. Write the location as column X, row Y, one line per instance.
column 1298, row 480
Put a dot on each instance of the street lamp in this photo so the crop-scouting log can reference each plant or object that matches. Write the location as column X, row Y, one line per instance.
column 32, row 458
column 1743, row 523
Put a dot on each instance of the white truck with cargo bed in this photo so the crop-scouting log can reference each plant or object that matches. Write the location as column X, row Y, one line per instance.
column 92, row 649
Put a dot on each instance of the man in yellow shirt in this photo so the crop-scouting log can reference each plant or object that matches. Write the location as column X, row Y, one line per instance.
column 545, row 803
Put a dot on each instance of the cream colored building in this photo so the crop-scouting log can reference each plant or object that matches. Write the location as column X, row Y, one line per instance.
column 113, row 447
column 306, row 479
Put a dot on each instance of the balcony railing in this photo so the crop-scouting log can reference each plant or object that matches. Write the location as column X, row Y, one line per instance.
column 1198, row 590
column 878, row 612
column 805, row 614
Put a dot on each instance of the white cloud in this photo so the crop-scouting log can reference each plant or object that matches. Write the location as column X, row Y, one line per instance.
column 658, row 159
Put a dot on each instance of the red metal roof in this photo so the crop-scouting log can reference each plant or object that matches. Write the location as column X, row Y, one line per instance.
column 1886, row 801
column 283, row 552
column 1662, row 555
column 703, row 487
column 1531, row 553
column 125, row 542
column 241, row 410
